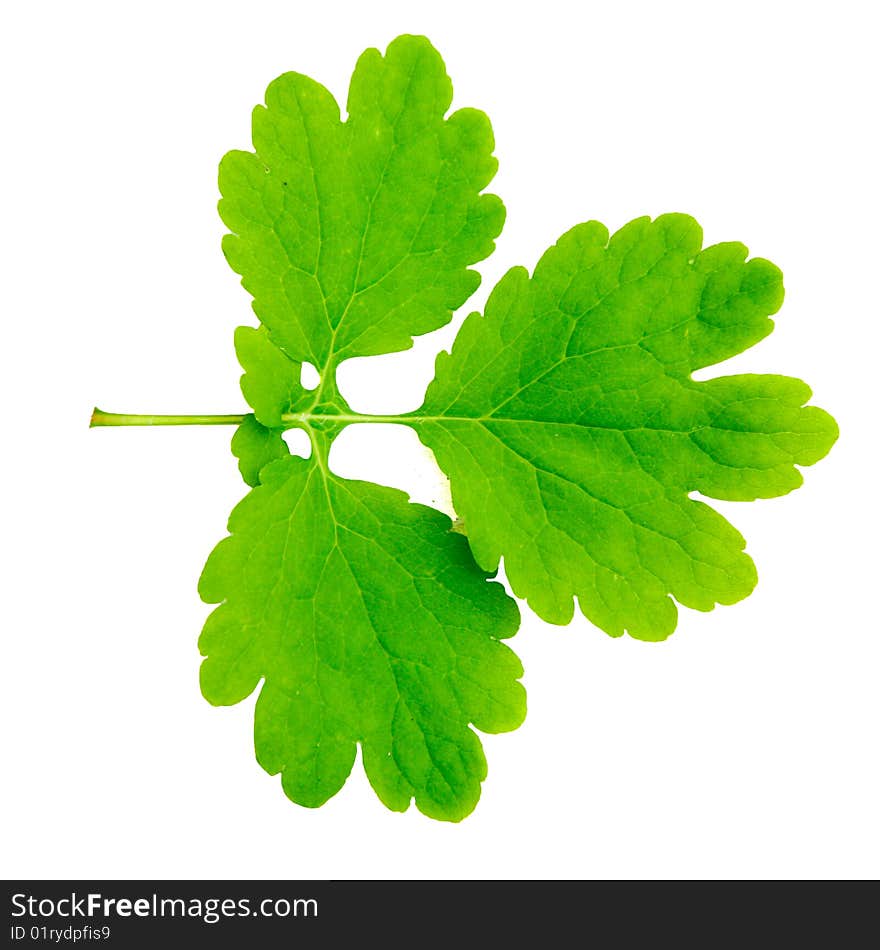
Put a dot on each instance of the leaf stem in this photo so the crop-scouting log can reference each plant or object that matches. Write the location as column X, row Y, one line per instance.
column 101, row 418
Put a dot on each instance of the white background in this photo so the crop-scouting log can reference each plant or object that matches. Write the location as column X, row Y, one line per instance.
column 746, row 746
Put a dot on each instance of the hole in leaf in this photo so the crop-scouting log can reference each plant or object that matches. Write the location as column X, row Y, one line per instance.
column 391, row 455
column 392, row 382
column 309, row 377
column 298, row 442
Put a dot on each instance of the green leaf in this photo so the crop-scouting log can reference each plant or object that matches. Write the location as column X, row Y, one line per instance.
column 366, row 617
column 567, row 420
column 271, row 383
column 355, row 236
column 573, row 433
column 369, row 623
column 255, row 446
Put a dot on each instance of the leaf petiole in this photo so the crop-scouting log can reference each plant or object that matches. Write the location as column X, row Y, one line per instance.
column 101, row 418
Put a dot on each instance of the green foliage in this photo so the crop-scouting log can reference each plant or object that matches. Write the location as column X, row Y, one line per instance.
column 255, row 446
column 369, row 622
column 572, row 432
column 566, row 418
column 366, row 617
column 354, row 236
